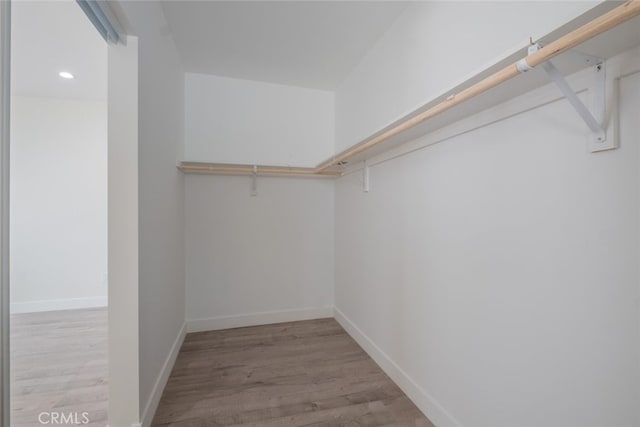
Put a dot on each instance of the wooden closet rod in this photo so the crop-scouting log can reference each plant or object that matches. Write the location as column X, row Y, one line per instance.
column 628, row 10
column 603, row 23
column 234, row 169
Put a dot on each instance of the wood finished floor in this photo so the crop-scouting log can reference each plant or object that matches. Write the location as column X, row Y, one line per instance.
column 59, row 364
column 308, row 373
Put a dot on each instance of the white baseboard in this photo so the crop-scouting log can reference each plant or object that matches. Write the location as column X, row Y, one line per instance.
column 152, row 404
column 255, row 319
column 57, row 304
column 423, row 400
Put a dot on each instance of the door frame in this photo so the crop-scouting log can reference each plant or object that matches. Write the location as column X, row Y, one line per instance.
column 123, row 339
column 123, row 219
column 5, row 102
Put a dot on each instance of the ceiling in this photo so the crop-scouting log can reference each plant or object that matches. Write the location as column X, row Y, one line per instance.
column 312, row 44
column 52, row 36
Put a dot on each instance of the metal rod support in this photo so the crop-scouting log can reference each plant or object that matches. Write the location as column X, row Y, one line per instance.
column 254, row 181
column 573, row 99
column 365, row 177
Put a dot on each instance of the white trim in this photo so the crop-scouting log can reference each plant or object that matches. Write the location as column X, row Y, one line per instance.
column 152, row 404
column 254, row 319
column 422, row 399
column 58, row 304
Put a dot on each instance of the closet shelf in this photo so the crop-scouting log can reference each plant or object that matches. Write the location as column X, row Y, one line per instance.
column 261, row 170
column 605, row 31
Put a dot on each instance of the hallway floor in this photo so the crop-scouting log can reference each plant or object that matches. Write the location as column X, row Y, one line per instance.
column 309, row 373
column 59, row 366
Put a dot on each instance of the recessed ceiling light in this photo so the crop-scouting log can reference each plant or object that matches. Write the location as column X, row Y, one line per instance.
column 66, row 75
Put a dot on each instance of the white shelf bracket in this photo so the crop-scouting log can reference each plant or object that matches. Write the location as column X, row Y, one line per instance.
column 600, row 133
column 254, row 181
column 576, row 103
column 365, row 177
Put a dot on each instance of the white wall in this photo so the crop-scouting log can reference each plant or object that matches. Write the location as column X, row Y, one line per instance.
column 241, row 121
column 58, row 204
column 269, row 258
column 495, row 275
column 431, row 47
column 630, row 131
column 161, row 200
column 259, row 259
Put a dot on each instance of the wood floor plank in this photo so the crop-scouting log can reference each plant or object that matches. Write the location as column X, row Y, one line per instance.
column 309, row 373
column 59, row 364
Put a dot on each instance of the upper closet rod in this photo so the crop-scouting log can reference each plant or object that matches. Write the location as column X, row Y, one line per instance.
column 628, row 10
column 603, row 23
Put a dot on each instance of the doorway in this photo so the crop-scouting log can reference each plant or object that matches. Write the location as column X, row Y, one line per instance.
column 58, row 211
column 122, row 112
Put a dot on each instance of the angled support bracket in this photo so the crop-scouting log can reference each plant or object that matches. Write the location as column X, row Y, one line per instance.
column 254, row 181
column 600, row 133
column 573, row 99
